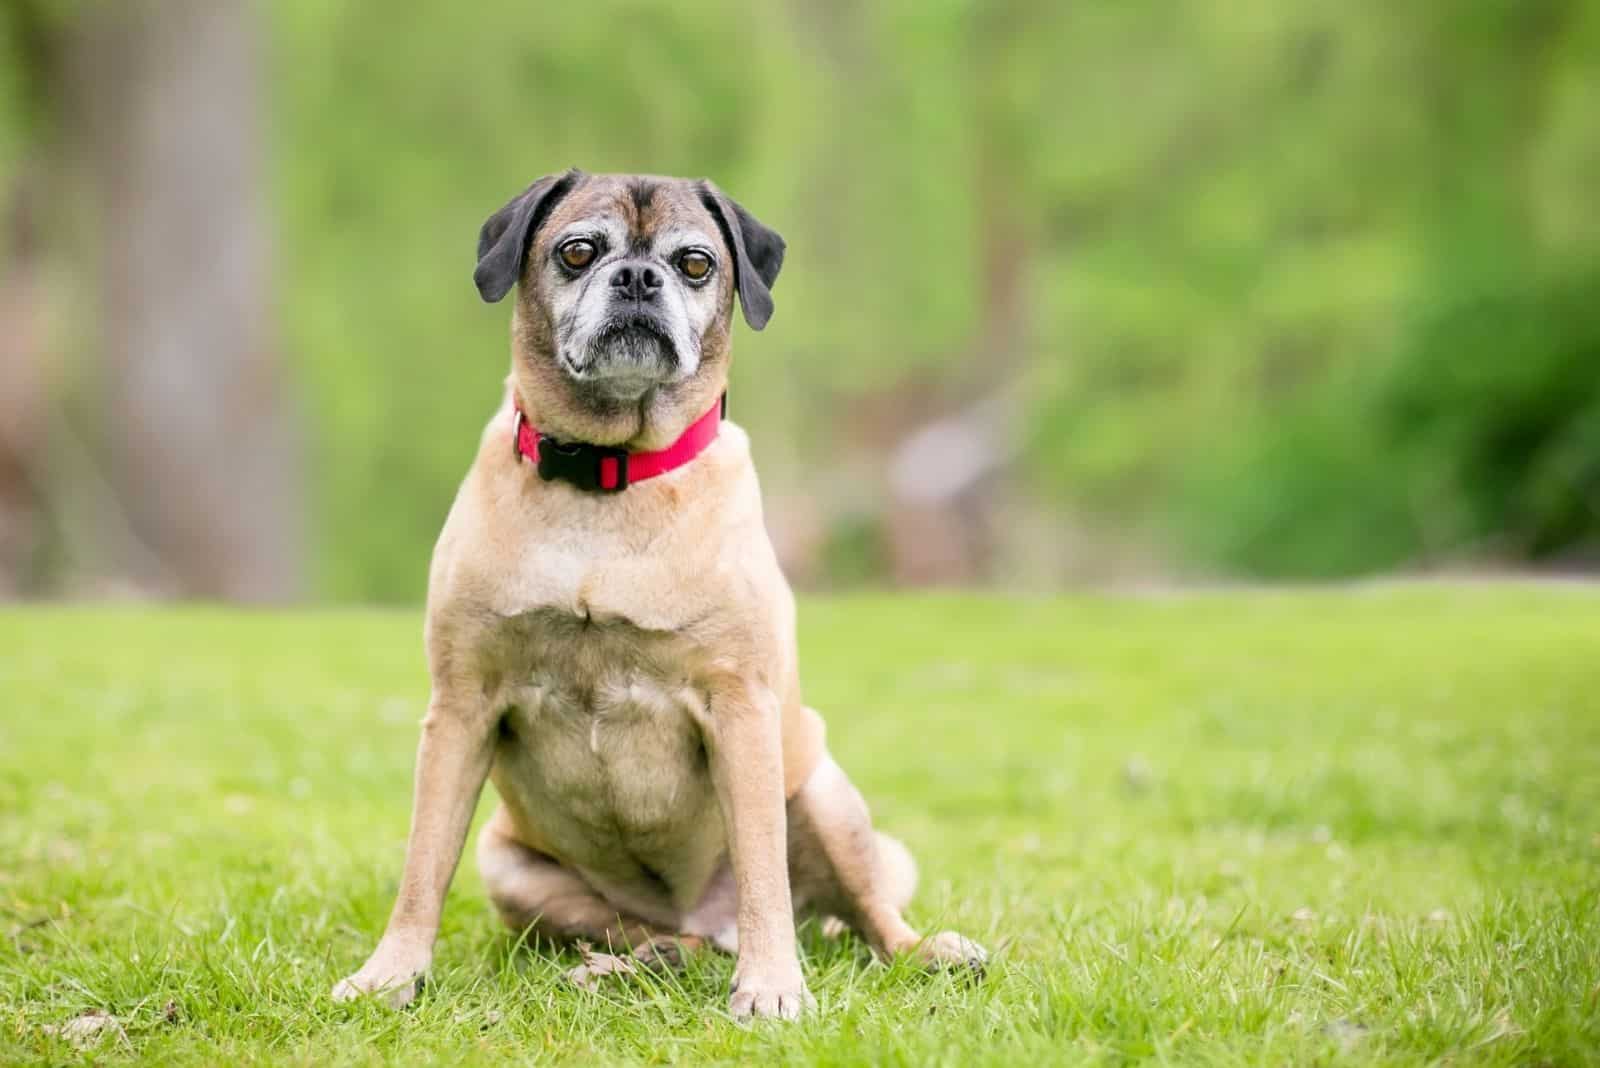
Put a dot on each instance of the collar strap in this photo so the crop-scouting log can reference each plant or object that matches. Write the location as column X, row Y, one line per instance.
column 604, row 469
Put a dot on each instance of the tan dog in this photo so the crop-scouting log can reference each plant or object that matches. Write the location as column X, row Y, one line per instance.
column 620, row 659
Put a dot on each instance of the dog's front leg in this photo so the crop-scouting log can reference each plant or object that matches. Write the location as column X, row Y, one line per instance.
column 452, row 763
column 746, row 757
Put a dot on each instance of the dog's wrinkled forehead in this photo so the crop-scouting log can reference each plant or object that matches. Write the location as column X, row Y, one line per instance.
column 641, row 210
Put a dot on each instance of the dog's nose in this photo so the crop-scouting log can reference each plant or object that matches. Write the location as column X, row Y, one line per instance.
column 637, row 281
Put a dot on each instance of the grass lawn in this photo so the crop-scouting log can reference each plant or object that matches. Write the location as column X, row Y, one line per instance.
column 1280, row 828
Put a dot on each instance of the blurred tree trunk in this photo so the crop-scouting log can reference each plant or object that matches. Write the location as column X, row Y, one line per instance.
column 190, row 406
column 22, row 390
column 945, row 476
column 24, row 399
column 950, row 477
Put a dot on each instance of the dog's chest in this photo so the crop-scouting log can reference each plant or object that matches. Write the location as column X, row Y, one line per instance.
column 600, row 757
column 607, row 573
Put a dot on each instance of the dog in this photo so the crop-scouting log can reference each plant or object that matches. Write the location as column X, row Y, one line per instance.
column 610, row 639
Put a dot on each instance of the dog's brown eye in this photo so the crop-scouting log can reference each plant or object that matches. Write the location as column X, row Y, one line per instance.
column 696, row 265
column 577, row 254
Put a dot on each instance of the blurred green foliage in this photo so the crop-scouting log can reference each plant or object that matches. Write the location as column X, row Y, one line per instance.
column 1341, row 319
column 1479, row 437
column 1289, row 289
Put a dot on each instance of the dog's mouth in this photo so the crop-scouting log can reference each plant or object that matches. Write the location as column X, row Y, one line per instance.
column 626, row 345
column 636, row 336
column 626, row 357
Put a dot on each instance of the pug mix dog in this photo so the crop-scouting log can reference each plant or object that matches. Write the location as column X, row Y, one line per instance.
column 609, row 636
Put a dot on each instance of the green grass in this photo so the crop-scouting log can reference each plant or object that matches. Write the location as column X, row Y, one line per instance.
column 1333, row 827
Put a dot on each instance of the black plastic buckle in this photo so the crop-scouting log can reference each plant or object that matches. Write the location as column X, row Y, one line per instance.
column 581, row 464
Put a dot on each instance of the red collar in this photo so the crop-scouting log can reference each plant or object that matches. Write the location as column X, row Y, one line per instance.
column 603, row 469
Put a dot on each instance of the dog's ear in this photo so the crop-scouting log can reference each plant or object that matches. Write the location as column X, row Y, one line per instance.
column 757, row 253
column 504, row 239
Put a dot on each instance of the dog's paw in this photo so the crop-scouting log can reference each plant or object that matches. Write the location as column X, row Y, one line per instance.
column 949, row 951
column 395, row 987
column 777, row 992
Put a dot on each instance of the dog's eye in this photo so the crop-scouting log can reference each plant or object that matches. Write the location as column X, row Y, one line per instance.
column 577, row 253
column 694, row 264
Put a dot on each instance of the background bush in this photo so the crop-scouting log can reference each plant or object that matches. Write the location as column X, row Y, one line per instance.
column 1257, row 289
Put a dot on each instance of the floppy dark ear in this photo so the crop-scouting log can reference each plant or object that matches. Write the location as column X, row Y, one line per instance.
column 757, row 253
column 504, row 239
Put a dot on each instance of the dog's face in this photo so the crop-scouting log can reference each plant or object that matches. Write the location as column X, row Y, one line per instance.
column 632, row 292
column 626, row 291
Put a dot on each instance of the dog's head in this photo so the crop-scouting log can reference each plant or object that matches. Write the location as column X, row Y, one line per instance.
column 625, row 302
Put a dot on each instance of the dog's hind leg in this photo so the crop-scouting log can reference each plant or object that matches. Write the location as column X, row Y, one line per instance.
column 536, row 894
column 839, row 866
column 898, row 871
column 897, row 880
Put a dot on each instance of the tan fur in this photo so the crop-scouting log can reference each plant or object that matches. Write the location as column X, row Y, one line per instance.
column 623, row 667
